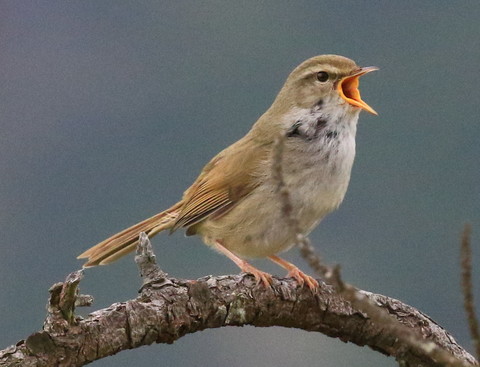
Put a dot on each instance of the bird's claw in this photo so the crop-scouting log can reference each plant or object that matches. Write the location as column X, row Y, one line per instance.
column 303, row 278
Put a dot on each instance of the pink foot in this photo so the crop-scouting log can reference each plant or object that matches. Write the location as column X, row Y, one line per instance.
column 260, row 276
column 303, row 278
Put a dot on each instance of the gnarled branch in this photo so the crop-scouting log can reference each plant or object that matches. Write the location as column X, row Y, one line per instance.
column 168, row 308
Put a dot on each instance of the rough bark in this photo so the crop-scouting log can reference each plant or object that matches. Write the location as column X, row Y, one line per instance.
column 168, row 308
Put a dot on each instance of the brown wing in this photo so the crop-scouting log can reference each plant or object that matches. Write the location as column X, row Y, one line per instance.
column 229, row 177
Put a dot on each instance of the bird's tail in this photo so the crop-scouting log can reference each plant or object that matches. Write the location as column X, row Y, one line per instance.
column 126, row 241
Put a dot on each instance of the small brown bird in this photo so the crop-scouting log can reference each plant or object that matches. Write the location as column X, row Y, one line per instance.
column 234, row 204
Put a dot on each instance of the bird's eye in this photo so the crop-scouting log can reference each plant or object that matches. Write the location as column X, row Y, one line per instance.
column 322, row 76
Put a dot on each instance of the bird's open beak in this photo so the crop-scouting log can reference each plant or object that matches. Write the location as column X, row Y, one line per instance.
column 348, row 89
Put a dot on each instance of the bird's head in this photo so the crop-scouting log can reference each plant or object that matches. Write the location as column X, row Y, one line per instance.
column 325, row 79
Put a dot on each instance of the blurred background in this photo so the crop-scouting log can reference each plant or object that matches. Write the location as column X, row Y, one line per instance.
column 110, row 109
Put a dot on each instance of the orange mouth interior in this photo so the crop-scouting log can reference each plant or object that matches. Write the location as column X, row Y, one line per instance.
column 348, row 89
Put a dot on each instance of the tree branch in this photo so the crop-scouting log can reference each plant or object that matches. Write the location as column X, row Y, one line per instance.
column 467, row 288
column 169, row 308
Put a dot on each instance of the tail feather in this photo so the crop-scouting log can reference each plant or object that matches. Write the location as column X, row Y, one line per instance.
column 126, row 241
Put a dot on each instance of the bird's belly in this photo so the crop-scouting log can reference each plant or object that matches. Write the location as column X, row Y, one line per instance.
column 253, row 228
column 259, row 225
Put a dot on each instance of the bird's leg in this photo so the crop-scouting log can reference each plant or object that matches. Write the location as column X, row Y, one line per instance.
column 260, row 276
column 295, row 272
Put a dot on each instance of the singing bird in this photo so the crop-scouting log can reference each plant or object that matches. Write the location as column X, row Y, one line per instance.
column 234, row 205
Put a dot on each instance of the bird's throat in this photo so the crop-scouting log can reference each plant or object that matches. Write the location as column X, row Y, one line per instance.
column 320, row 125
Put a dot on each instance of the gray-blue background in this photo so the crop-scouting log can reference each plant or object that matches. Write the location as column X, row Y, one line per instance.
column 109, row 109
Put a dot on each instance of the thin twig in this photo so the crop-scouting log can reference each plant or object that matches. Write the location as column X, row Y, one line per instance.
column 332, row 276
column 302, row 242
column 277, row 174
column 467, row 287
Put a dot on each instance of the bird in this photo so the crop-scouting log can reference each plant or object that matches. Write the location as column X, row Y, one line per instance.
column 234, row 205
